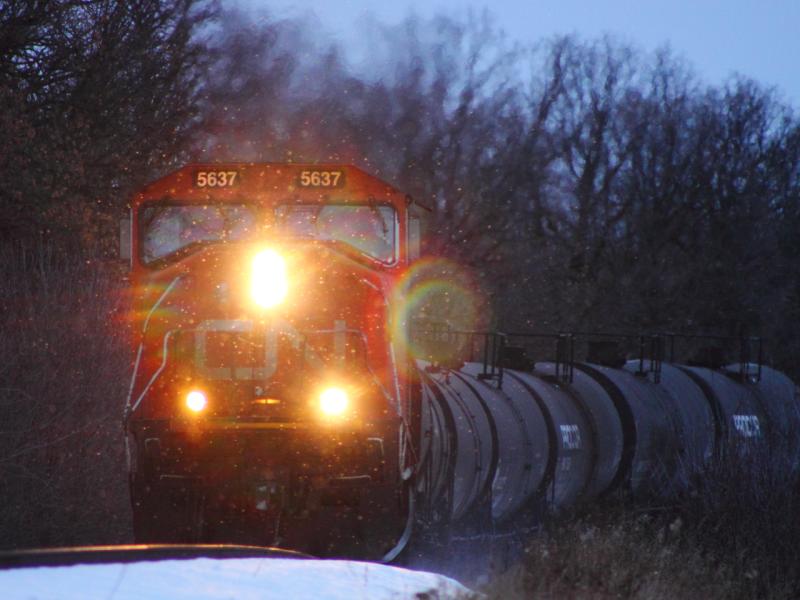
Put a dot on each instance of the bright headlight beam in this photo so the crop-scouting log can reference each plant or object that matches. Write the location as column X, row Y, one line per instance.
column 268, row 280
column 333, row 401
column 196, row 401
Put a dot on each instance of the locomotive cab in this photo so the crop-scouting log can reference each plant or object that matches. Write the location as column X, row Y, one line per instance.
column 266, row 404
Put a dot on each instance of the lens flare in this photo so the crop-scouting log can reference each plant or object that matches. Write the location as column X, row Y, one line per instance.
column 436, row 296
column 196, row 401
column 268, row 280
column 333, row 401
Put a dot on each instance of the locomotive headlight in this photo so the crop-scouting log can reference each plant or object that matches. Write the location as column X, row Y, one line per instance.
column 268, row 281
column 196, row 401
column 333, row 402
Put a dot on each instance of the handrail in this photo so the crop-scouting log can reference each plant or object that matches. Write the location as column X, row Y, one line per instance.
column 145, row 325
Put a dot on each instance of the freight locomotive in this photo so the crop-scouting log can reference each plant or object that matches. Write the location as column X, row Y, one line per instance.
column 276, row 398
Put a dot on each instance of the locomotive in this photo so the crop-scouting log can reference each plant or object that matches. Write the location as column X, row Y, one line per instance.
column 267, row 402
column 276, row 398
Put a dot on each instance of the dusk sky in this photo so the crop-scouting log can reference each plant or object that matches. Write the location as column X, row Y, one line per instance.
column 717, row 37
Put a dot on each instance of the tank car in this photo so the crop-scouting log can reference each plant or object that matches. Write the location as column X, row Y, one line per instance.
column 499, row 443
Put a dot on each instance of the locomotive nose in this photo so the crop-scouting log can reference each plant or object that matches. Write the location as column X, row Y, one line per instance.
column 277, row 331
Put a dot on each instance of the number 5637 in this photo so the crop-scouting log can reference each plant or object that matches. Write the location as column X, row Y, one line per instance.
column 215, row 178
column 321, row 178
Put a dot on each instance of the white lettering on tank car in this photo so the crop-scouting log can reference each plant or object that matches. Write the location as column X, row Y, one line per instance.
column 571, row 437
column 747, row 425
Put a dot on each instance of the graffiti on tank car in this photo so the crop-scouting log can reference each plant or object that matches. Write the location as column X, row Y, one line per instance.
column 747, row 425
column 571, row 437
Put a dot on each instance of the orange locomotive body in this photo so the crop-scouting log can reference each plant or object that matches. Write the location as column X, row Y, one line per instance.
column 268, row 404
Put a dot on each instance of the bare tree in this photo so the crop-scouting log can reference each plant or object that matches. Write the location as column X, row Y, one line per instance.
column 107, row 95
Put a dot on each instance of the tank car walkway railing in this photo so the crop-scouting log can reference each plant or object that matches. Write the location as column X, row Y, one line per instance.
column 650, row 350
column 602, row 349
column 494, row 344
column 564, row 352
column 486, row 347
column 498, row 350
column 712, row 356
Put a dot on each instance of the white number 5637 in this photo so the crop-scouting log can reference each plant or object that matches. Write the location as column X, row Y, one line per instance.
column 215, row 178
column 321, row 178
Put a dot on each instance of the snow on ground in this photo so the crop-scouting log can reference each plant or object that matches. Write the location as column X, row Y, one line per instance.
column 241, row 578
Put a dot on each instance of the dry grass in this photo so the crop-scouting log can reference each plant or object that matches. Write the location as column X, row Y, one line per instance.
column 732, row 534
column 624, row 557
column 63, row 372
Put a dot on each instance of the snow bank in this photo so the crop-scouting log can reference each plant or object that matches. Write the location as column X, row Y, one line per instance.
column 242, row 578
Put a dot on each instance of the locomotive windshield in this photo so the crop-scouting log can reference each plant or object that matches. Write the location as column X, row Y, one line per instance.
column 370, row 229
column 170, row 229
